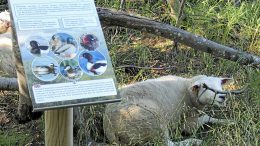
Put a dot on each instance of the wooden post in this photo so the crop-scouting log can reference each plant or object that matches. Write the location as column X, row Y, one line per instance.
column 59, row 127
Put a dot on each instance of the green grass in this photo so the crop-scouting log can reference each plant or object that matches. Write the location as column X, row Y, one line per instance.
column 12, row 139
column 21, row 135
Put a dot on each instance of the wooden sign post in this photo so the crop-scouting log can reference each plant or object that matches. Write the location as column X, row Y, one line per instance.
column 59, row 127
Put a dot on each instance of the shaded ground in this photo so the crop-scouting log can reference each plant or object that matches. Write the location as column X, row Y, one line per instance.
column 11, row 132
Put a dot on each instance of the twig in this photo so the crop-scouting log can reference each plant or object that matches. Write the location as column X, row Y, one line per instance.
column 180, row 12
column 226, row 92
column 152, row 68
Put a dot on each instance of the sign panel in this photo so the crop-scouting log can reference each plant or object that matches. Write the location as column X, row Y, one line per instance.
column 64, row 53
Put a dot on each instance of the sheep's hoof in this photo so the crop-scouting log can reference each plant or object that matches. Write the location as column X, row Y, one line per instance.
column 227, row 122
column 197, row 142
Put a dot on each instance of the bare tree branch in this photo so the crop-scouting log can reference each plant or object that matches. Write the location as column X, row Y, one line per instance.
column 114, row 18
column 146, row 67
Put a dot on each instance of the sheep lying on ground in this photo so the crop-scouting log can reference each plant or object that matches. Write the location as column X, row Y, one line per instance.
column 149, row 107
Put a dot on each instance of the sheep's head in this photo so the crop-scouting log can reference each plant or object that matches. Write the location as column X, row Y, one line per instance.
column 5, row 22
column 205, row 90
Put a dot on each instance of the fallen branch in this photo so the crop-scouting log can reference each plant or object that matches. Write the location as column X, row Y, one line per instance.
column 109, row 17
column 116, row 18
column 146, row 67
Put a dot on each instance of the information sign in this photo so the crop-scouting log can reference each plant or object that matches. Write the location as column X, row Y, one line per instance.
column 64, row 53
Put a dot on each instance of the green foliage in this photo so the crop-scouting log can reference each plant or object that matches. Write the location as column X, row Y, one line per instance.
column 222, row 22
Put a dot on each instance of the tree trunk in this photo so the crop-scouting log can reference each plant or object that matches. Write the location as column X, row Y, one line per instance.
column 114, row 18
column 25, row 113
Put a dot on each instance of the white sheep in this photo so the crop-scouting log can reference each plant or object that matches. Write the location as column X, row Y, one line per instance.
column 7, row 63
column 148, row 108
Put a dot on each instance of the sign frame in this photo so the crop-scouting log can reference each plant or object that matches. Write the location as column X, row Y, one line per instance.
column 64, row 53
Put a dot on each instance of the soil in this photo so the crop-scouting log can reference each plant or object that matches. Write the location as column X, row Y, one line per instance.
column 11, row 132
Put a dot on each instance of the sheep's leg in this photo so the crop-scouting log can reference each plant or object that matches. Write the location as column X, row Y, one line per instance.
column 204, row 119
column 192, row 124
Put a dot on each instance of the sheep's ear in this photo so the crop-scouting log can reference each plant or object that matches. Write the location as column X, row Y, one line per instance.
column 226, row 81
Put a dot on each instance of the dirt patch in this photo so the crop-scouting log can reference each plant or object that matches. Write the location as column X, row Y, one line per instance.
column 11, row 132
